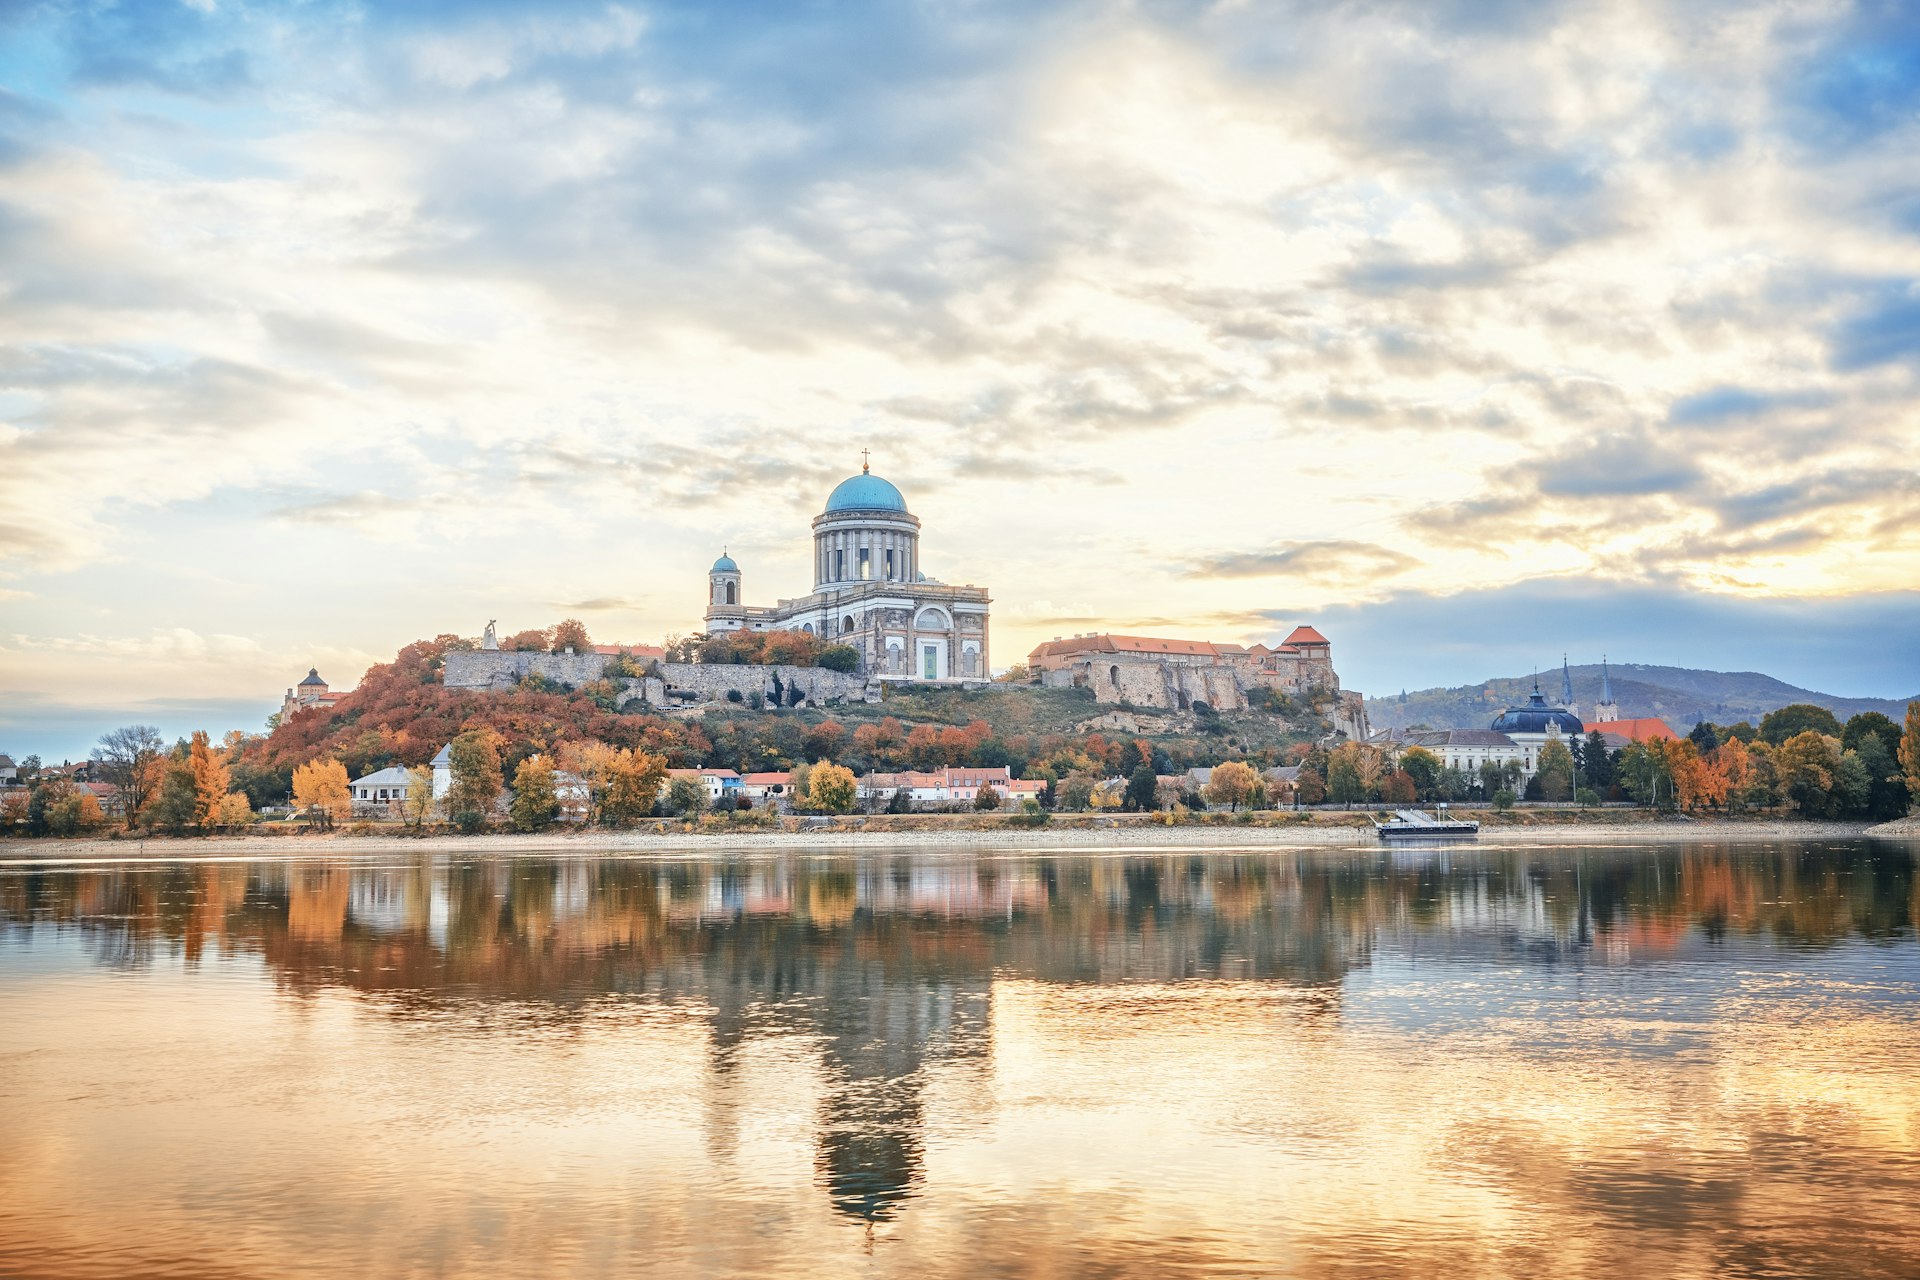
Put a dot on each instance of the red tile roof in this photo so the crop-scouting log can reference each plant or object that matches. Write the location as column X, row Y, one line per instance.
column 1305, row 635
column 1643, row 729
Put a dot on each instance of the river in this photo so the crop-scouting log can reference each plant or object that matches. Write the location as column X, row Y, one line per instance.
column 1698, row 1060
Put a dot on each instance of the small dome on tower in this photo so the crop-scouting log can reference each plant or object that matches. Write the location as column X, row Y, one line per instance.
column 724, row 564
column 313, row 677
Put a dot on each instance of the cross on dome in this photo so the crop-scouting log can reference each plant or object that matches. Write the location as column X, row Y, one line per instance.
column 863, row 462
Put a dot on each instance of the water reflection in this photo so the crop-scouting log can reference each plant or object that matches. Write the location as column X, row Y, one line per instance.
column 900, row 1001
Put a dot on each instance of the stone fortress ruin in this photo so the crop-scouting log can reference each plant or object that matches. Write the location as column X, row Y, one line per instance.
column 1144, row 671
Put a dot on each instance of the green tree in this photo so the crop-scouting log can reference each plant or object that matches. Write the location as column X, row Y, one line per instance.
column 1871, row 724
column 475, row 760
column 1424, row 768
column 1596, row 763
column 175, row 803
column 839, row 657
column 1799, row 717
column 536, row 800
column 1076, row 790
column 687, row 796
column 1140, row 788
column 1555, row 772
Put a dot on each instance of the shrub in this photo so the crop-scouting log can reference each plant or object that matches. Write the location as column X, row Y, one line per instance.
column 839, row 657
column 1503, row 799
column 1587, row 796
column 985, row 799
column 1030, row 815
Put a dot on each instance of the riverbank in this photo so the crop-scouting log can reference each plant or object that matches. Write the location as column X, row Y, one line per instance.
column 1115, row 832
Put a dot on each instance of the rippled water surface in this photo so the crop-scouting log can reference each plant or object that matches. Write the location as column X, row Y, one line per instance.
column 1701, row 1060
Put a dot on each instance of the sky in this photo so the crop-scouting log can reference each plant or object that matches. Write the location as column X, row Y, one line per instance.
column 1471, row 333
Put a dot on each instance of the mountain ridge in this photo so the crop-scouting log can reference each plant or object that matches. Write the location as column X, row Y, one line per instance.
column 1682, row 696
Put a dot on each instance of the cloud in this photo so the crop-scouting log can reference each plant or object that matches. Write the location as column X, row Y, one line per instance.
column 1341, row 560
column 1884, row 329
column 605, row 604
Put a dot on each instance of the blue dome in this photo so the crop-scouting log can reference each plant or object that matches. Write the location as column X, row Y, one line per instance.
column 724, row 564
column 865, row 492
column 1535, row 717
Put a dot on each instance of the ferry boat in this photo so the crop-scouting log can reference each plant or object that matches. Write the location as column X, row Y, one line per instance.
column 1412, row 824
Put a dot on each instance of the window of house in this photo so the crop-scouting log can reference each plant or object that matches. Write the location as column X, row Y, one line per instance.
column 839, row 566
column 866, row 564
column 889, row 566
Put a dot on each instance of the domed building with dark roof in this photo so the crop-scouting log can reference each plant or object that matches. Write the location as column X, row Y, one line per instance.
column 869, row 591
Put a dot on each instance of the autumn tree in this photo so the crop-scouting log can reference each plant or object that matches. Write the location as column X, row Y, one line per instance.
column 475, row 759
column 634, row 780
column 418, row 804
column 1076, row 789
column 321, row 791
column 1232, row 784
column 130, row 759
column 569, row 634
column 211, row 782
column 536, row 800
column 986, row 799
column 1909, row 754
column 530, row 641
column 1347, row 774
column 831, row 788
column 1804, row 766
column 235, row 810
column 175, row 802
column 1398, row 788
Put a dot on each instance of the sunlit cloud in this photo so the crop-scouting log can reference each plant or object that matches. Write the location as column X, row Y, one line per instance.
column 1168, row 306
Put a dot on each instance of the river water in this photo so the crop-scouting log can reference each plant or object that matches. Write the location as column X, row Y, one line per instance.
column 1696, row 1060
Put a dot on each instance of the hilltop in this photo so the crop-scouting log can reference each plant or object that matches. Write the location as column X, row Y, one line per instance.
column 1682, row 696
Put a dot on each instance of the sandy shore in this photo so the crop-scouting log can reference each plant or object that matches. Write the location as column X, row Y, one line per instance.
column 1143, row 837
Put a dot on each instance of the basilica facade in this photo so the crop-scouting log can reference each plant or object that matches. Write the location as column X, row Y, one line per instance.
column 869, row 592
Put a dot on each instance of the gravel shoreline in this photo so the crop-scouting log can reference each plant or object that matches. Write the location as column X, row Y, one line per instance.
column 1143, row 838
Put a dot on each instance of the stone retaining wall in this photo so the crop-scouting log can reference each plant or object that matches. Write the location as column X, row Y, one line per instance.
column 503, row 669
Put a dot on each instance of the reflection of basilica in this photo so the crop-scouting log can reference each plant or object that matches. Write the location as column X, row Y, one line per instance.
column 882, row 969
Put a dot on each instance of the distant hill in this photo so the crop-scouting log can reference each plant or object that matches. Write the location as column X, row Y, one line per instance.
column 1679, row 695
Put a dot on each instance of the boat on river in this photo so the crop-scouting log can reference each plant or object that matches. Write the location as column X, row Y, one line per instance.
column 1412, row 824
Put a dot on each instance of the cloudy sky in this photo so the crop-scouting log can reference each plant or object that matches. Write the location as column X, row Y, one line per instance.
column 1472, row 332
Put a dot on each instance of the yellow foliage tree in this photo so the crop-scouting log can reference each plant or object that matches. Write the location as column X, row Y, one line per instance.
column 320, row 788
column 1232, row 784
column 418, row 804
column 211, row 781
column 235, row 810
column 831, row 789
column 1910, row 752
column 634, row 779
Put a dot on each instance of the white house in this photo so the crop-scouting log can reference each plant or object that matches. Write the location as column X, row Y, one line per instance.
column 381, row 788
column 443, row 772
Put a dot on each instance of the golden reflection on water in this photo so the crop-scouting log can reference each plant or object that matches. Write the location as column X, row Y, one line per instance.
column 1676, row 1062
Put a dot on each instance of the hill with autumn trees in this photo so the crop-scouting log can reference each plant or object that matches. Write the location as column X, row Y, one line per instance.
column 401, row 714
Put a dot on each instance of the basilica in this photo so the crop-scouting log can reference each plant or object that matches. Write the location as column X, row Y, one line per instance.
column 869, row 592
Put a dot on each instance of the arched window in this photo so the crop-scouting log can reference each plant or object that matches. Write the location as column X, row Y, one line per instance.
column 931, row 620
column 733, row 594
column 807, row 627
column 1113, row 674
column 846, row 625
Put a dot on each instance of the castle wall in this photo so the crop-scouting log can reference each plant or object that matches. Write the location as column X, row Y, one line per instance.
column 713, row 683
column 502, row 669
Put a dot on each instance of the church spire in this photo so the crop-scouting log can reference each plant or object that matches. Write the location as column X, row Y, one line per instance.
column 1566, row 682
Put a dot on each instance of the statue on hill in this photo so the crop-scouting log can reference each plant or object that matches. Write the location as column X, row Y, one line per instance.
column 488, row 640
